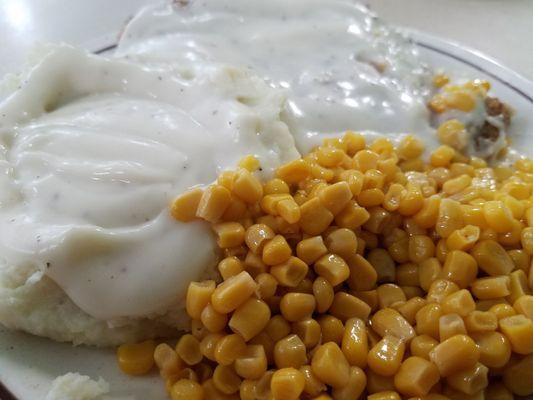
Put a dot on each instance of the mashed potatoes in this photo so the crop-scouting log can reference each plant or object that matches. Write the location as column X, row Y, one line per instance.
column 94, row 150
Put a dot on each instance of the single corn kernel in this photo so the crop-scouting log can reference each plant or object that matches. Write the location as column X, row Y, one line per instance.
column 287, row 384
column 249, row 162
column 229, row 234
column 493, row 287
column 315, row 217
column 421, row 248
column 354, row 388
column 331, row 327
column 229, row 348
column 481, row 321
column 502, row 310
column 167, row 360
column 409, row 308
column 294, row 171
column 427, row 320
column 188, row 348
column 290, row 273
column 389, row 294
column 186, row 389
column 377, row 383
column 136, row 359
column 451, row 325
column 311, row 249
column 276, row 251
column 333, row 268
column 527, row 240
column 289, row 210
column 388, row 321
column 230, row 266
column 342, row 242
column 453, row 133
column 518, row 285
column 521, row 259
column 254, row 265
column 278, row 327
column 492, row 258
column 208, row 343
column 346, row 306
column 463, row 239
column 250, row 318
column 213, row 320
column 471, row 380
column 460, row 302
column 460, row 268
column 524, row 305
column 252, row 364
column 330, row 365
column 233, row 292
column 450, row 217
column 323, row 292
column 335, row 197
column 410, row 147
column 276, row 186
column 355, row 342
column 498, row 216
column 313, row 386
column 407, row 275
column 213, row 203
column 226, row 379
column 519, row 331
column 428, row 271
column 440, row 289
column 257, row 236
column 363, row 276
column 416, row 377
column 297, row 306
column 198, row 296
column 290, row 352
column 352, row 216
column 442, row 156
column 454, row 354
column 266, row 285
column 517, row 378
column 422, row 345
column 386, row 356
column 184, row 206
column 383, row 263
column 494, row 348
column 308, row 330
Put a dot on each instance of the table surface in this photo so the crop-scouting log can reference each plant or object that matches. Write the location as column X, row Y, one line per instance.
column 500, row 28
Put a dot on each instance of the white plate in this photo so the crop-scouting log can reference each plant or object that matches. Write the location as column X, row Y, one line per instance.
column 28, row 364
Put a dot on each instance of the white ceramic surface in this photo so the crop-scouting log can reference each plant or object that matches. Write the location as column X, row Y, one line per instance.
column 28, row 364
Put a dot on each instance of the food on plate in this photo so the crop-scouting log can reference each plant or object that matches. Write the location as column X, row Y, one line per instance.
column 75, row 386
column 299, row 258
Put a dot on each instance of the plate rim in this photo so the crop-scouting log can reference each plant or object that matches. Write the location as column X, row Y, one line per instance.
column 446, row 47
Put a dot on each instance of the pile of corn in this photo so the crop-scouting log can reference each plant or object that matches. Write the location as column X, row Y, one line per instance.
column 359, row 271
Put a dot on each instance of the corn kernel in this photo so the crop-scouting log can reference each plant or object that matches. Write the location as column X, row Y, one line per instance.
column 315, row 218
column 330, row 365
column 287, row 384
column 346, row 306
column 517, row 378
column 519, row 331
column 294, row 171
column 386, row 356
column 213, row 203
column 333, row 268
column 454, row 354
column 184, row 206
column 492, row 258
column 136, row 359
column 416, row 377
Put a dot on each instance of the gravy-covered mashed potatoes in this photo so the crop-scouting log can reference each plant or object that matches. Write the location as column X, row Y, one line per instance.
column 93, row 149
